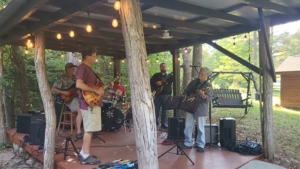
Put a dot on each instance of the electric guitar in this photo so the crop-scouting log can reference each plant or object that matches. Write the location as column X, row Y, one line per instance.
column 91, row 98
column 192, row 97
column 73, row 93
column 164, row 82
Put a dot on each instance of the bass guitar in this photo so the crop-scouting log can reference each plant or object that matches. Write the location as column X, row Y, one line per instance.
column 73, row 93
column 91, row 98
column 164, row 82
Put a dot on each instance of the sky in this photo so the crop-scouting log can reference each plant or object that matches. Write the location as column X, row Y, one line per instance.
column 291, row 27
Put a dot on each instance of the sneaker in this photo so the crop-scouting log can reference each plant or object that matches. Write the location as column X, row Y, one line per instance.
column 90, row 160
column 183, row 146
column 200, row 149
column 79, row 136
column 164, row 126
column 196, row 146
column 80, row 156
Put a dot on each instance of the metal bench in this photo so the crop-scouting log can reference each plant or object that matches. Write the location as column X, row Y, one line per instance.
column 230, row 98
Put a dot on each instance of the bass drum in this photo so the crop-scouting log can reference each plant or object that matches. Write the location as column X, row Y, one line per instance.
column 112, row 119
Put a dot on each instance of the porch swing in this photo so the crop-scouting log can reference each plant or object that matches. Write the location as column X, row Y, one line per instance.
column 232, row 98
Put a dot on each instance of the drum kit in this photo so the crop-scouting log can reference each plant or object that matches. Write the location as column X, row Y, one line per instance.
column 116, row 112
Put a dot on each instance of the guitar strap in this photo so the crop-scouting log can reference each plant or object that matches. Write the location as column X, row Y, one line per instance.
column 200, row 86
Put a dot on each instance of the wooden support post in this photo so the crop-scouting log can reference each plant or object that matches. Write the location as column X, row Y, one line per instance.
column 141, row 97
column 48, row 103
column 117, row 68
column 267, row 115
column 176, row 72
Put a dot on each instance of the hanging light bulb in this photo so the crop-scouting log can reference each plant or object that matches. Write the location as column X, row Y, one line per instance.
column 123, row 61
column 110, row 62
column 72, row 33
column 117, row 5
column 58, row 36
column 79, row 59
column 26, row 51
column 156, row 60
column 62, row 55
column 96, row 60
column 89, row 28
column 185, row 50
column 30, row 45
column 28, row 42
column 147, row 60
column 115, row 23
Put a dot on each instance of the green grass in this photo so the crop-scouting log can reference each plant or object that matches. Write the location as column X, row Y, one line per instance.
column 286, row 126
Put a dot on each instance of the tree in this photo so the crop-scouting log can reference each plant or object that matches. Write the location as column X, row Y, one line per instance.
column 142, row 102
column 3, row 138
column 197, row 60
column 47, row 99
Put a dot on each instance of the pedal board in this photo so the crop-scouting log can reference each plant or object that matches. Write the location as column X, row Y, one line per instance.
column 248, row 144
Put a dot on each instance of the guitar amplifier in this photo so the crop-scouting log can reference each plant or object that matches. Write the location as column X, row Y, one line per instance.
column 214, row 133
column 24, row 121
column 37, row 132
column 227, row 132
column 176, row 124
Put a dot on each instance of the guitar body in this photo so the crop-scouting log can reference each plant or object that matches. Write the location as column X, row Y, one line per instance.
column 73, row 93
column 91, row 98
column 158, row 89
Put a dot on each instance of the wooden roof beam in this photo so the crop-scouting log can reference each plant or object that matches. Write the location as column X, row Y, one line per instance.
column 184, row 7
column 266, row 4
column 65, row 13
column 23, row 12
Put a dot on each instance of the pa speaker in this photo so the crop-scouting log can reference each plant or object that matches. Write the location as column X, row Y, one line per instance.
column 176, row 124
column 37, row 132
column 214, row 134
column 227, row 131
column 24, row 120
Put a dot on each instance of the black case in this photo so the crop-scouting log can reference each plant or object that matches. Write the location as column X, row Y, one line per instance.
column 227, row 131
column 172, row 129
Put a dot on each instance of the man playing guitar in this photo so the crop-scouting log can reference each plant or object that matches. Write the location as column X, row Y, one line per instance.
column 161, row 85
column 61, row 86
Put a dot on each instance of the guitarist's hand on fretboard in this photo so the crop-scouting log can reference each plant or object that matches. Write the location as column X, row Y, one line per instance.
column 99, row 91
column 158, row 83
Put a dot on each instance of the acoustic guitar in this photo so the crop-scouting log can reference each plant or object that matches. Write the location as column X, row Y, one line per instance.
column 73, row 93
column 91, row 98
column 158, row 89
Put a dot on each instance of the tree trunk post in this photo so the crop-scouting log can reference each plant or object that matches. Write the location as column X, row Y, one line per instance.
column 142, row 100
column 268, row 139
column 197, row 60
column 3, row 138
column 39, row 61
column 7, row 103
column 186, row 63
column 117, row 66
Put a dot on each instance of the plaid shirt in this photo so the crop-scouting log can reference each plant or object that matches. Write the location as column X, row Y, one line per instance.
column 64, row 82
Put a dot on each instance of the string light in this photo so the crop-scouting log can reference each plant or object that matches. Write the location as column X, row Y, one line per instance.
column 96, row 60
column 58, row 36
column 185, row 50
column 30, row 45
column 88, row 28
column 117, row 5
column 179, row 59
column 110, row 62
column 72, row 34
column 147, row 60
column 123, row 61
column 79, row 59
column 156, row 60
column 62, row 55
column 26, row 51
column 28, row 42
column 115, row 23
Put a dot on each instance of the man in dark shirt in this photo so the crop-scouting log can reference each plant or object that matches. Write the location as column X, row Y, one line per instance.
column 161, row 84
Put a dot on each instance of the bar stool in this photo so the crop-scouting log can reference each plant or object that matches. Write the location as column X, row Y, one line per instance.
column 65, row 113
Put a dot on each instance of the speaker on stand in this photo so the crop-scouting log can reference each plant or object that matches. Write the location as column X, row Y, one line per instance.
column 227, row 131
column 174, row 124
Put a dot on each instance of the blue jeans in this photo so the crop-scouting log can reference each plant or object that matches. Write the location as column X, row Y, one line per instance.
column 159, row 101
column 188, row 130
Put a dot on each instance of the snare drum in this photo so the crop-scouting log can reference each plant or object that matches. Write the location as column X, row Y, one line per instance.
column 112, row 119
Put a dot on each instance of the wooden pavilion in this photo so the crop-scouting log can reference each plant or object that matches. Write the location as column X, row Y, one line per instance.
column 48, row 23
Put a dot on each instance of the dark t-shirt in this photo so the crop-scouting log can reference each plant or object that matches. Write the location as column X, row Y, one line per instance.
column 167, row 89
column 87, row 75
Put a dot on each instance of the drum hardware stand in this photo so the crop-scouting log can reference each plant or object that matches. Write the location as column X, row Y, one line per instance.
column 68, row 139
column 179, row 150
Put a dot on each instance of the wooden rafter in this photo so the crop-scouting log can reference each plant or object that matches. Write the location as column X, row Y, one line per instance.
column 184, row 7
column 266, row 4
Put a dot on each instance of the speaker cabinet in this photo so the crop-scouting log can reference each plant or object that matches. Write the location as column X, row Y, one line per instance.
column 227, row 131
column 24, row 121
column 37, row 132
column 214, row 134
column 175, row 124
